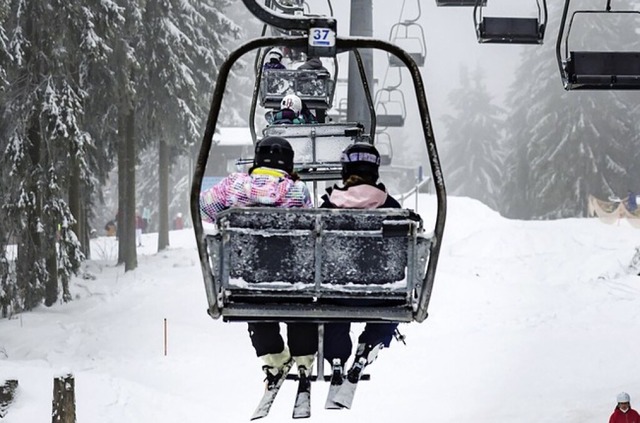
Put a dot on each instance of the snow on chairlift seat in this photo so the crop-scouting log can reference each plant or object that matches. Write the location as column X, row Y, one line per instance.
column 313, row 86
column 317, row 264
column 602, row 70
column 318, row 147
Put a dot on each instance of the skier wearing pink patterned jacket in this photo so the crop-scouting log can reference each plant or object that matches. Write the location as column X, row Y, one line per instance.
column 270, row 182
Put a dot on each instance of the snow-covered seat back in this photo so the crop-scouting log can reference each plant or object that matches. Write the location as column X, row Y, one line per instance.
column 318, row 147
column 319, row 258
column 313, row 86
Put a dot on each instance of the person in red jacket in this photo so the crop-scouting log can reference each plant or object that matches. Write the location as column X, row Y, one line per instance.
column 623, row 412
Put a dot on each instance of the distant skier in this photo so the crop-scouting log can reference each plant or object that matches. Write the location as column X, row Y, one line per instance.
column 273, row 60
column 360, row 190
column 290, row 113
column 270, row 182
column 623, row 412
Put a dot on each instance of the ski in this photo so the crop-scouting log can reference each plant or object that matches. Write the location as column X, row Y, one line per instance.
column 346, row 392
column 302, row 406
column 270, row 393
column 336, row 382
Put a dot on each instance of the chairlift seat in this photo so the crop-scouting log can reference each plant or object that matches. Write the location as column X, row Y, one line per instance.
column 470, row 3
column 508, row 30
column 417, row 57
column 602, row 70
column 313, row 86
column 318, row 147
column 316, row 264
column 389, row 120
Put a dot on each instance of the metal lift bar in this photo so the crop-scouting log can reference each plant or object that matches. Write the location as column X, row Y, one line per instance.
column 509, row 30
column 595, row 70
column 342, row 44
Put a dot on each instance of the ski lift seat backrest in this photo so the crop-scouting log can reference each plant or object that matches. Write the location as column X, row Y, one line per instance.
column 509, row 30
column 322, row 256
column 603, row 70
column 318, row 146
column 313, row 86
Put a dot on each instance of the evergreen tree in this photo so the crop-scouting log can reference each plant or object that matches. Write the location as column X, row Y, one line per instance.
column 563, row 146
column 473, row 156
column 49, row 43
column 184, row 43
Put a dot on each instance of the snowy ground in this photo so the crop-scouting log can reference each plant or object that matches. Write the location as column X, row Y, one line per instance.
column 529, row 322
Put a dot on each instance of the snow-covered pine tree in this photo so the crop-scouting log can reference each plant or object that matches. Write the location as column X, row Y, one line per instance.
column 44, row 115
column 563, row 146
column 472, row 152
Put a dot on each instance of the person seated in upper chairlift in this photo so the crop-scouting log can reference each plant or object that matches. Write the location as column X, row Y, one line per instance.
column 292, row 112
column 273, row 60
column 313, row 63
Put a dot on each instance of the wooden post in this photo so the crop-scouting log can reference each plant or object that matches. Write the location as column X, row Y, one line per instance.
column 64, row 400
column 7, row 392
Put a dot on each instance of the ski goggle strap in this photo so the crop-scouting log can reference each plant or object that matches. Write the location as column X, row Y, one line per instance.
column 360, row 156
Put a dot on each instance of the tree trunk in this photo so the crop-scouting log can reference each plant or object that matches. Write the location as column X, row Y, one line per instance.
column 163, row 189
column 77, row 209
column 64, row 400
column 122, row 198
column 131, row 258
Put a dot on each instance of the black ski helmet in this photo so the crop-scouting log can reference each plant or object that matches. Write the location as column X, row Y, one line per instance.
column 274, row 152
column 361, row 159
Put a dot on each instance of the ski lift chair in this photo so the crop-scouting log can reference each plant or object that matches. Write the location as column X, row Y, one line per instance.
column 410, row 37
column 510, row 30
column 391, row 110
column 322, row 271
column 459, row 2
column 596, row 70
column 383, row 144
column 339, row 114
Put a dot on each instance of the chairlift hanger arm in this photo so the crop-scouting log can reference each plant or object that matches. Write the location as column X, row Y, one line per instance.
column 288, row 22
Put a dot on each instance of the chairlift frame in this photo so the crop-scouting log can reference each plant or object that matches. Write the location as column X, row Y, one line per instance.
column 510, row 30
column 217, row 310
column 595, row 70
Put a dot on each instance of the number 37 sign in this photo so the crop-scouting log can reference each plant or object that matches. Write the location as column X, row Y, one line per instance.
column 322, row 37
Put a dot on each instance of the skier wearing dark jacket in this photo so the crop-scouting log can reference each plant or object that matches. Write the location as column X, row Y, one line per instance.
column 623, row 412
column 360, row 190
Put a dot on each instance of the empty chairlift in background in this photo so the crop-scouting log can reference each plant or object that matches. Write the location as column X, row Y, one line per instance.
column 383, row 144
column 390, row 107
column 409, row 35
column 510, row 30
column 458, row 2
column 598, row 69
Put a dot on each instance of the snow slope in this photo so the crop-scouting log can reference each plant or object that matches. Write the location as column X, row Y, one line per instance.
column 529, row 322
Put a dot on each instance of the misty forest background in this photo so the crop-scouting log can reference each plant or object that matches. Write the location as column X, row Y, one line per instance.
column 103, row 104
